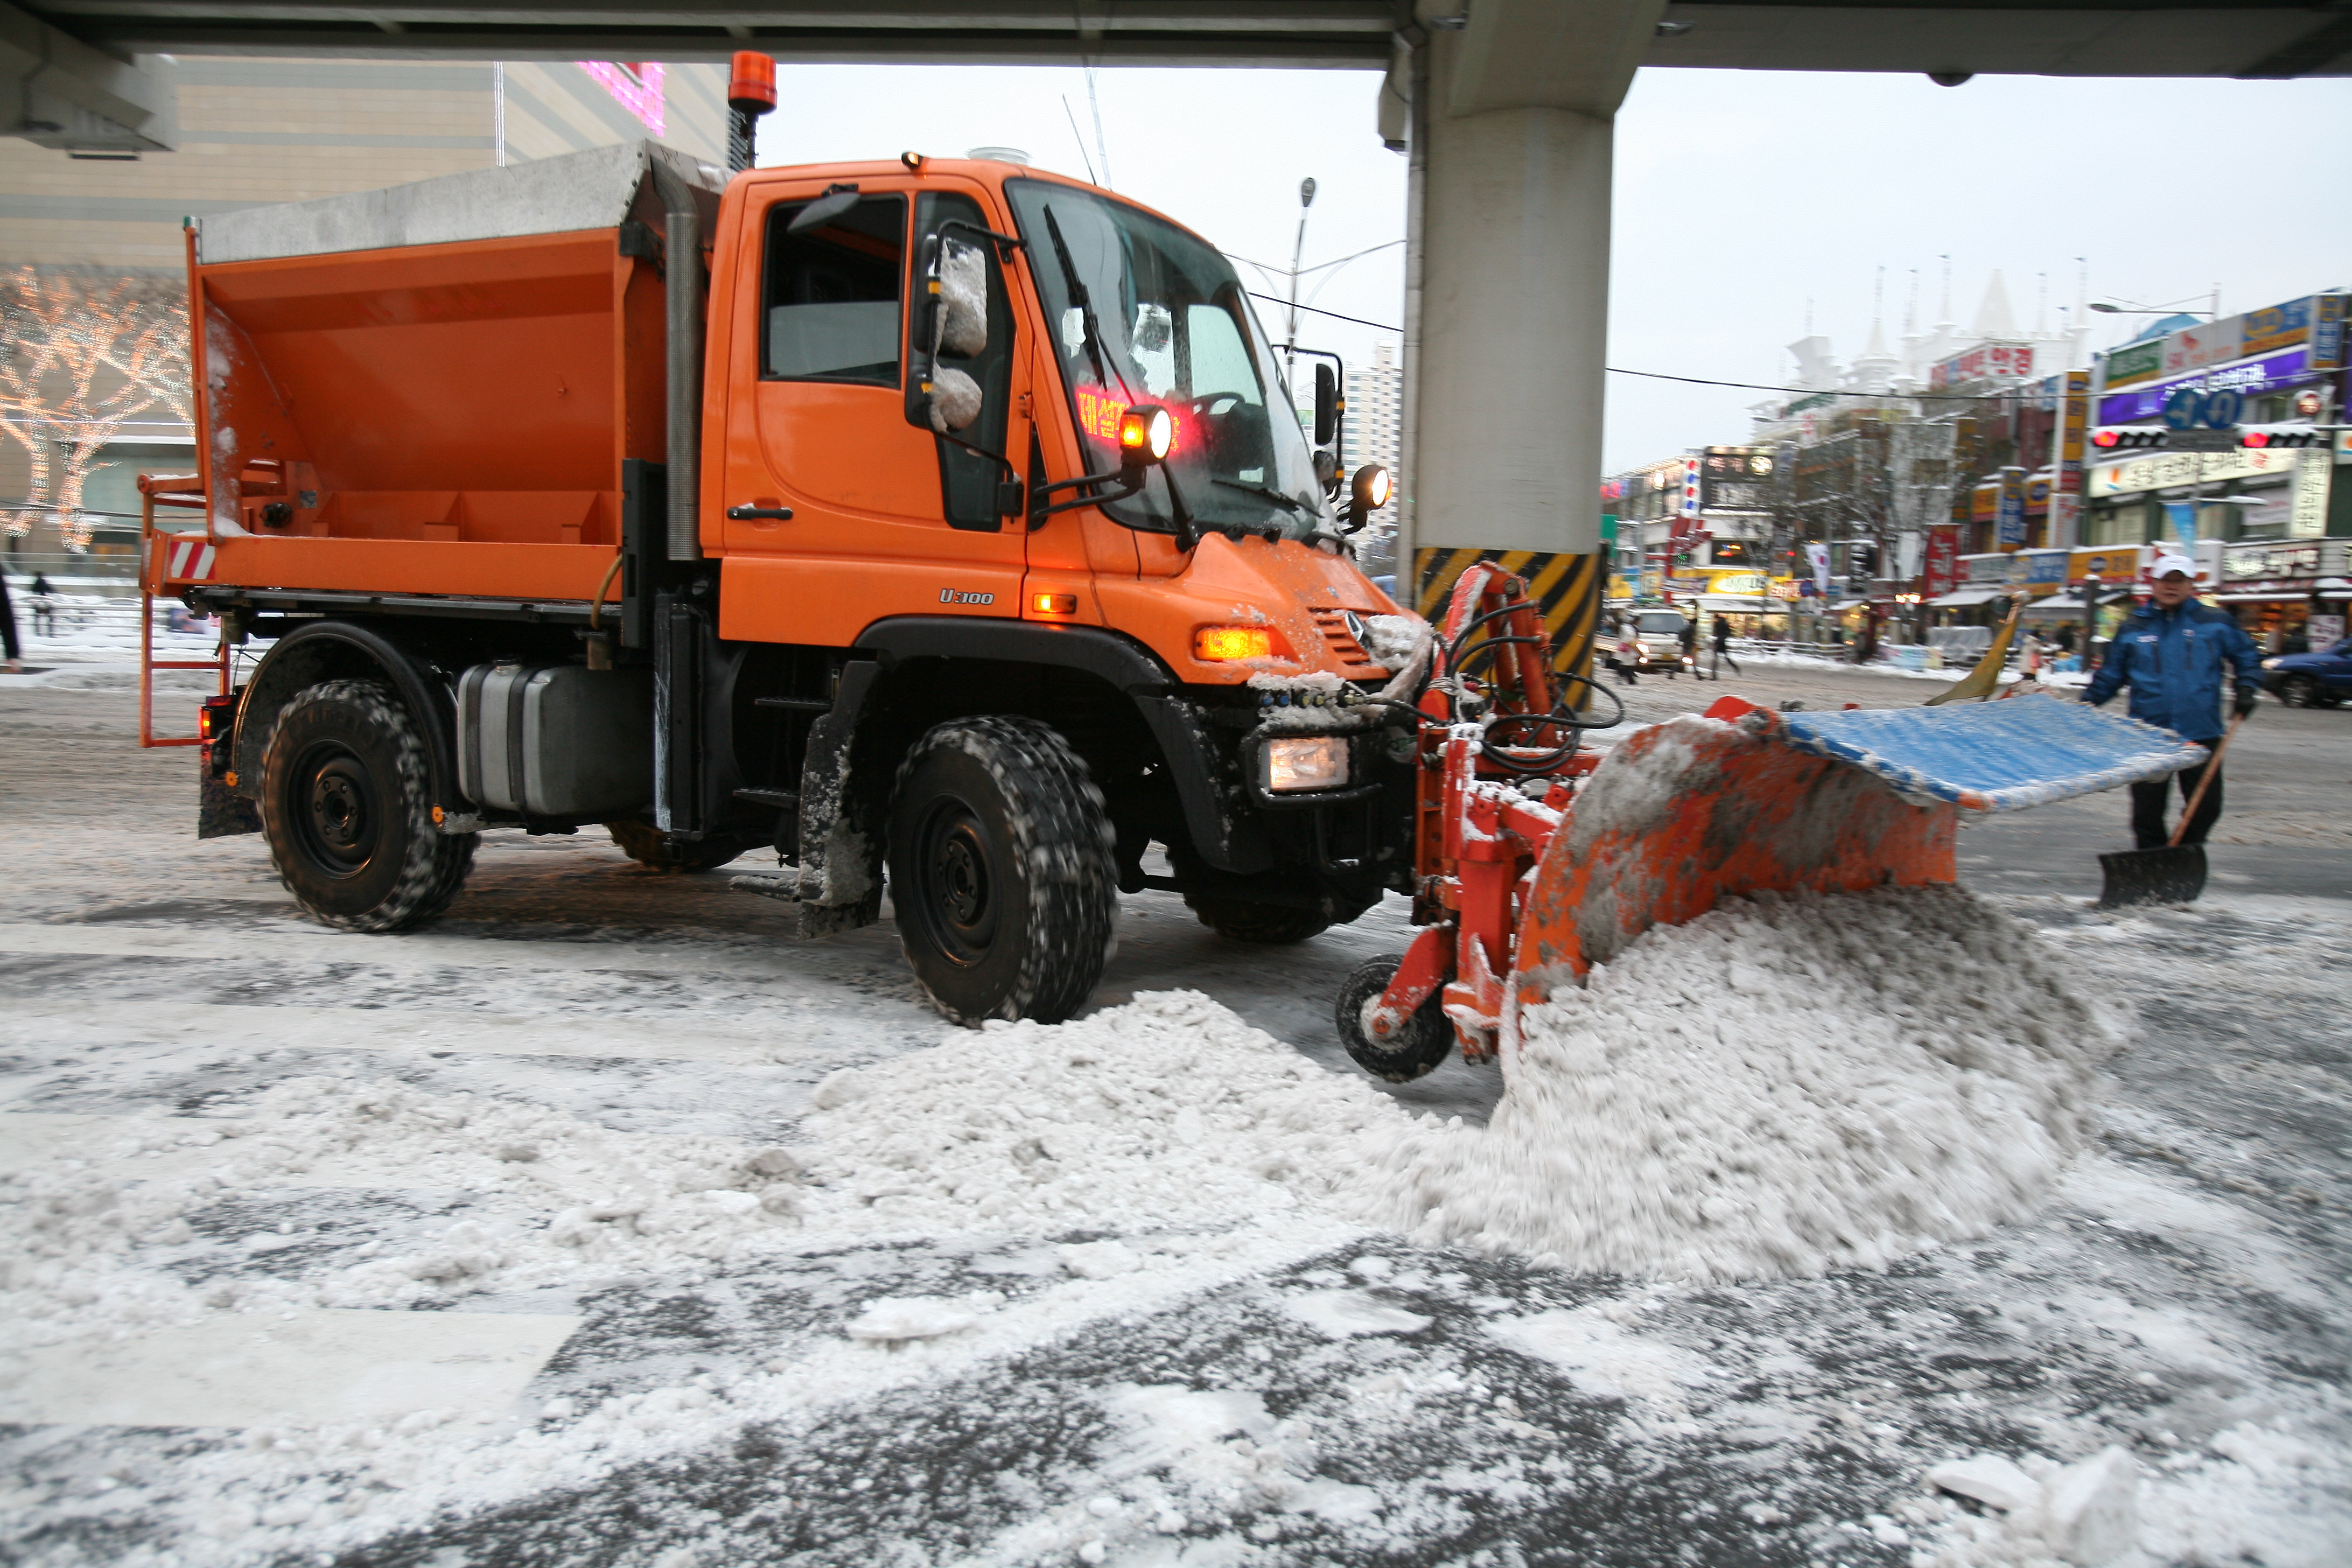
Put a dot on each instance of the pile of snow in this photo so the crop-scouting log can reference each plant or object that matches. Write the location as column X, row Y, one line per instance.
column 1779, row 1086
column 1168, row 1112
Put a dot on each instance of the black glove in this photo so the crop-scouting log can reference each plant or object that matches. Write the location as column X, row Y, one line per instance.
column 2247, row 699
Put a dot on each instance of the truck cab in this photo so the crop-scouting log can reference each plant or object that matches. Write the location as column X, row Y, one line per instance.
column 940, row 525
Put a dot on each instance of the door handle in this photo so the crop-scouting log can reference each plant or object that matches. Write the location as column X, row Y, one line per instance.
column 760, row 513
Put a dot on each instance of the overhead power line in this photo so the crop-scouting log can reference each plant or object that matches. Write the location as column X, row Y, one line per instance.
column 1707, row 381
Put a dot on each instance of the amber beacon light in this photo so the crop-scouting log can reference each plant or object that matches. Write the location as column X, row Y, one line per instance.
column 750, row 93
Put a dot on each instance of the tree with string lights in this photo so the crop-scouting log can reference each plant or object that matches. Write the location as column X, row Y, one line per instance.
column 82, row 353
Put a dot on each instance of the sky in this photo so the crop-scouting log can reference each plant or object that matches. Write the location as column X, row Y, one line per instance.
column 1746, row 202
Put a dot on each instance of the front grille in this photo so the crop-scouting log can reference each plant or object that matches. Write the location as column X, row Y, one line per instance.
column 1333, row 624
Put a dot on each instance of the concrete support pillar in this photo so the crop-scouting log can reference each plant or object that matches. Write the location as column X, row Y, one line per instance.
column 1508, row 308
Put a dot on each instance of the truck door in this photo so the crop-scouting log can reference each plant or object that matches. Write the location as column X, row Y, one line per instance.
column 886, row 519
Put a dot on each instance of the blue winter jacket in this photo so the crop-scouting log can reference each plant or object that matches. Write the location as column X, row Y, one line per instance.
column 2174, row 661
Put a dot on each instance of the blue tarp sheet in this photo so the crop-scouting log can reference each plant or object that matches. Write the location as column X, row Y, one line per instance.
column 1995, row 756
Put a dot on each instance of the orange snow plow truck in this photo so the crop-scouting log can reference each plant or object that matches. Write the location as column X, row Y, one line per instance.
column 940, row 524
column 938, row 521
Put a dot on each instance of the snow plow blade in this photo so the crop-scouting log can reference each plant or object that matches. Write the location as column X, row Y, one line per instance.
column 1741, row 801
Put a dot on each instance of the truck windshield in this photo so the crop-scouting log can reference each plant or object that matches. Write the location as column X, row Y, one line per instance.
column 1661, row 623
column 1141, row 311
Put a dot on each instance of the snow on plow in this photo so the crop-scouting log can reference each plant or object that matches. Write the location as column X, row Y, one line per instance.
column 1539, row 861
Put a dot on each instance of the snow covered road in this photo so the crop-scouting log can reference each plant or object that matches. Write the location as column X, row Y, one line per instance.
column 492, row 1244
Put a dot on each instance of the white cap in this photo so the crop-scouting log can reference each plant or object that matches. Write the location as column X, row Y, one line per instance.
column 2166, row 565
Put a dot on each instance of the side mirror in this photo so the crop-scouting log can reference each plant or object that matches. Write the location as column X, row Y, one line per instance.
column 954, row 322
column 837, row 200
column 1326, row 405
column 1368, row 495
column 960, row 287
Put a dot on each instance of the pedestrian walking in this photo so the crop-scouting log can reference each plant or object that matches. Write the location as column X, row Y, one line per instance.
column 1629, row 657
column 8, row 630
column 44, row 607
column 2029, row 658
column 2174, row 653
column 1723, row 647
column 1689, row 638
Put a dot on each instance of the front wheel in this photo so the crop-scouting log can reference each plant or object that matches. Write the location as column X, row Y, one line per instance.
column 1002, row 877
column 348, row 808
column 1416, row 1050
column 1265, row 925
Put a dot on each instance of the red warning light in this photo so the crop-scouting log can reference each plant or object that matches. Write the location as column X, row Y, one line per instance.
column 2105, row 437
column 2254, row 439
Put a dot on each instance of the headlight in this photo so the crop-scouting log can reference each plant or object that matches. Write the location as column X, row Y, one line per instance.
column 2270, row 664
column 1295, row 763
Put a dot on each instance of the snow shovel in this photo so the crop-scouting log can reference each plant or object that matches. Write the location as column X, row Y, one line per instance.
column 2174, row 874
column 1985, row 678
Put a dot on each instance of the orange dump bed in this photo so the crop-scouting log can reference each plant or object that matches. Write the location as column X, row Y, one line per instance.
column 433, row 391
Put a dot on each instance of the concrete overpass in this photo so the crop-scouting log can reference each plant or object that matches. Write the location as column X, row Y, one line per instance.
column 1506, row 108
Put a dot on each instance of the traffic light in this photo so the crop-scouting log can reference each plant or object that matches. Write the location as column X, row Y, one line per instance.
column 2283, row 435
column 2117, row 437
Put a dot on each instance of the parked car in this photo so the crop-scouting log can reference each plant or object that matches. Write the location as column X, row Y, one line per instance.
column 2311, row 680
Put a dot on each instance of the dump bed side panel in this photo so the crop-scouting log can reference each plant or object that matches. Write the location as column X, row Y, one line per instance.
column 445, row 410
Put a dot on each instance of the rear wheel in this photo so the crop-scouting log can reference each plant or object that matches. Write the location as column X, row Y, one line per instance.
column 1416, row 1050
column 645, row 844
column 348, row 808
column 2301, row 691
column 1001, row 873
column 1267, row 925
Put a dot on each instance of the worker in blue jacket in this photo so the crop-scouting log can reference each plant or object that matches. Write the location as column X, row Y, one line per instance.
column 2173, row 653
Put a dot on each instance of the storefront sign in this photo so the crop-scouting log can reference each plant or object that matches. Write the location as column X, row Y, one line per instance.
column 1940, row 566
column 2241, row 562
column 1747, row 583
column 1986, row 360
column 2112, row 565
column 1986, row 571
column 2163, row 471
column 2009, row 513
column 2329, row 323
column 2308, row 520
column 2246, row 377
column 2042, row 570
column 2133, row 364
column 2066, row 494
column 1783, row 588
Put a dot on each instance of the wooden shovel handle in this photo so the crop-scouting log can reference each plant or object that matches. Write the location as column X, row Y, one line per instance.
column 2205, row 781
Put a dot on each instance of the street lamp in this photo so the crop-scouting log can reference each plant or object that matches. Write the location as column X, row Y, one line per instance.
column 1297, row 253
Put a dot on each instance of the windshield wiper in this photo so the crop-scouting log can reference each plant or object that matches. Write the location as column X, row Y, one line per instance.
column 1097, row 350
column 1292, row 504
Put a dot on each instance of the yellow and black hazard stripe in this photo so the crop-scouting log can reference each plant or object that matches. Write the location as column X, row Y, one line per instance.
column 1567, row 586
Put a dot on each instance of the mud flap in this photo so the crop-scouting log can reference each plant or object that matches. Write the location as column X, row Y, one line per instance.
column 221, row 811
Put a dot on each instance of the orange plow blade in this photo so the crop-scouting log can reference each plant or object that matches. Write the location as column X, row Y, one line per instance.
column 1687, row 813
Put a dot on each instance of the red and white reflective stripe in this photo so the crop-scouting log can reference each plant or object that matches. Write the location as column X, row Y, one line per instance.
column 192, row 560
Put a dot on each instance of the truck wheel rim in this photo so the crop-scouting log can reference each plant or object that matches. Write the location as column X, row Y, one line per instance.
column 336, row 812
column 958, row 900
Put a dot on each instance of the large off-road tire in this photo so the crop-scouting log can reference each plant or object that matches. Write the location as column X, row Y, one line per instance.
column 1415, row 1051
column 643, row 843
column 347, row 804
column 1001, row 873
column 1267, row 925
